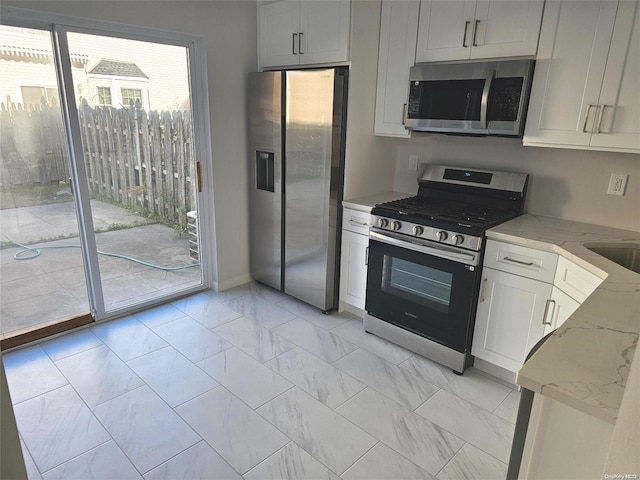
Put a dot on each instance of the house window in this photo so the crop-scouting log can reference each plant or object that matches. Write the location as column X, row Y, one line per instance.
column 129, row 94
column 36, row 96
column 104, row 96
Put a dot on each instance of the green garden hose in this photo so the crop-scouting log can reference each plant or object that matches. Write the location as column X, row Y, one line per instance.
column 28, row 253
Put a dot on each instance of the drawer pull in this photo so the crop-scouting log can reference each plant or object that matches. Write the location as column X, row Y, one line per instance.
column 359, row 224
column 546, row 311
column 519, row 262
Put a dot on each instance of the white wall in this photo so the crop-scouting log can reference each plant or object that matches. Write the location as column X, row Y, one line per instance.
column 569, row 184
column 229, row 31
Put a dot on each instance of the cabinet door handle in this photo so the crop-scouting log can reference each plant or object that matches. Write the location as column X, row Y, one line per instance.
column 482, row 288
column 293, row 43
column 366, row 256
column 464, row 36
column 586, row 118
column 546, row 311
column 602, row 107
column 475, row 32
column 404, row 114
column 300, row 43
column 520, row 262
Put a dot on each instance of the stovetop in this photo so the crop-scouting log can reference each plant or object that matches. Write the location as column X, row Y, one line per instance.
column 423, row 211
column 454, row 206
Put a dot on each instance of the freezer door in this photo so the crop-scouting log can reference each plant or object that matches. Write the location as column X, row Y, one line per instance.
column 313, row 184
column 265, row 177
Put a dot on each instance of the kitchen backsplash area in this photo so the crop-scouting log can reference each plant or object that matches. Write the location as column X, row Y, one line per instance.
column 568, row 184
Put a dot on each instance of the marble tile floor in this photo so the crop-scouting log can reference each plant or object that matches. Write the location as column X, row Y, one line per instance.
column 251, row 384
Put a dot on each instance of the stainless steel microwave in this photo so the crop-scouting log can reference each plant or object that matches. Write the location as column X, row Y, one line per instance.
column 478, row 98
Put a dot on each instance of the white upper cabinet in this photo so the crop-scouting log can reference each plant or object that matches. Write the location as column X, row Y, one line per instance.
column 303, row 32
column 462, row 30
column 398, row 32
column 585, row 88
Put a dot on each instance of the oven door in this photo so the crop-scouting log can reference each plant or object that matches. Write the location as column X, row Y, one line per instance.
column 428, row 289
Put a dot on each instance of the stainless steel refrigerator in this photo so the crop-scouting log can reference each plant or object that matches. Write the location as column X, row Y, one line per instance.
column 297, row 121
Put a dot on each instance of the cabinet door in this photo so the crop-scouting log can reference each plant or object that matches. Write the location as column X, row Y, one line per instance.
column 506, row 28
column 445, row 30
column 353, row 268
column 618, row 125
column 398, row 33
column 572, row 54
column 278, row 35
column 325, row 27
column 509, row 318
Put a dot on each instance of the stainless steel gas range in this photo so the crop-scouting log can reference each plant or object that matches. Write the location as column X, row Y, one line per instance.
column 425, row 259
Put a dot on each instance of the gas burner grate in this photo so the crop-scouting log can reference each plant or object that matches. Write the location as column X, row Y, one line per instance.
column 410, row 204
column 477, row 215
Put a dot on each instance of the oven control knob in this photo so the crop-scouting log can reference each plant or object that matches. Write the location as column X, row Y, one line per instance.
column 457, row 239
column 441, row 236
column 383, row 222
column 417, row 230
column 395, row 225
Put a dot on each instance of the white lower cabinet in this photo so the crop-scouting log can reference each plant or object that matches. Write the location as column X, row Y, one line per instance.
column 353, row 257
column 353, row 268
column 509, row 319
column 525, row 294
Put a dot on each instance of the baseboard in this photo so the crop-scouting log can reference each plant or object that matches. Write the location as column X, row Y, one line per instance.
column 495, row 371
column 233, row 282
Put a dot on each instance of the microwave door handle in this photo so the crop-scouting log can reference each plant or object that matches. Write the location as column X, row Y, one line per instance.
column 484, row 103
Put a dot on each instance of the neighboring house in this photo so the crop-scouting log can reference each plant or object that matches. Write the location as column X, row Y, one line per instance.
column 116, row 84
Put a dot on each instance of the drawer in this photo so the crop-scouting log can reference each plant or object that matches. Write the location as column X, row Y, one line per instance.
column 574, row 280
column 355, row 221
column 524, row 261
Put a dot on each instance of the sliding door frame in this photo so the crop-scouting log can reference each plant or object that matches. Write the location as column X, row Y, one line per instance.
column 59, row 26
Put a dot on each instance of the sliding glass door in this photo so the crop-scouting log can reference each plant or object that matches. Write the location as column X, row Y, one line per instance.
column 107, row 190
column 134, row 112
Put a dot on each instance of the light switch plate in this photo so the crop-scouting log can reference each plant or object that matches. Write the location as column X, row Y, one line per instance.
column 617, row 184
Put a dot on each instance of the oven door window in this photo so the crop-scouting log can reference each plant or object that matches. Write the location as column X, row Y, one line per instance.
column 417, row 283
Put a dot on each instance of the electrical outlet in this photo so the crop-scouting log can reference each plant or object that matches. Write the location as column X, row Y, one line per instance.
column 413, row 162
column 617, row 183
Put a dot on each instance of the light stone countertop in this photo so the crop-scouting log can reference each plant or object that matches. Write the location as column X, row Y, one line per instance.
column 584, row 363
column 365, row 204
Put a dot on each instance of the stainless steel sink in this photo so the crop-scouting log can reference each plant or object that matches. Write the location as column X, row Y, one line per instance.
column 624, row 254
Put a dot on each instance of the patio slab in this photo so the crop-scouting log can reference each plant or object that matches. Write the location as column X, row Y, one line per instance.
column 52, row 286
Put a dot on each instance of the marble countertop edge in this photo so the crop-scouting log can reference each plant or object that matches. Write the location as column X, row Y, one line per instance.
column 585, row 363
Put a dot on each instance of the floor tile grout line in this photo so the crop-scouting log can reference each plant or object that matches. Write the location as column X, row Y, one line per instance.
column 300, row 446
column 458, row 436
column 295, row 345
column 452, row 457
column 92, row 414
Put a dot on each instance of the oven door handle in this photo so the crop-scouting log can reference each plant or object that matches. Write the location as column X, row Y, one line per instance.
column 448, row 253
